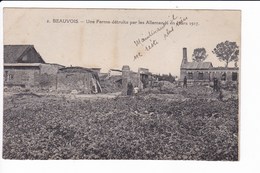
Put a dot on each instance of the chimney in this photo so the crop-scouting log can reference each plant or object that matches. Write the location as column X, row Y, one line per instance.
column 184, row 59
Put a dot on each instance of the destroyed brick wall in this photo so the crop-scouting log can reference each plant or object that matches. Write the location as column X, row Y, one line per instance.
column 48, row 76
column 21, row 76
column 50, row 68
column 47, row 81
column 135, row 78
column 76, row 80
column 41, row 76
column 111, row 84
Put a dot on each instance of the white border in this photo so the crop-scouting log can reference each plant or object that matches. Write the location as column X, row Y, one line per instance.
column 249, row 130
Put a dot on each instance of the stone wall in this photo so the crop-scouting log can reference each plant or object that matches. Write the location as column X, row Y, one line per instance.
column 48, row 76
column 24, row 77
column 50, row 68
column 135, row 79
column 66, row 82
column 43, row 76
column 47, row 81
column 129, row 76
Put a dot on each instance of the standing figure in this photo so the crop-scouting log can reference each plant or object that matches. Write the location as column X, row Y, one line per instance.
column 176, row 80
column 185, row 82
column 215, row 82
column 136, row 90
column 218, row 85
column 130, row 89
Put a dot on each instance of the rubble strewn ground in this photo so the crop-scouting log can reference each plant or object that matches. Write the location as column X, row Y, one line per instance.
column 180, row 124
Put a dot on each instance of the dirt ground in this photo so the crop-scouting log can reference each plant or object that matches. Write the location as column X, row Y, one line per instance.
column 184, row 124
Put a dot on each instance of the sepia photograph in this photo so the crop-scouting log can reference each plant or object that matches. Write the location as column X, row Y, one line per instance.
column 121, row 84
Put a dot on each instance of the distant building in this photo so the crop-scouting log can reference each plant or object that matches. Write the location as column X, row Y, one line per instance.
column 114, row 72
column 24, row 67
column 78, row 78
column 205, row 72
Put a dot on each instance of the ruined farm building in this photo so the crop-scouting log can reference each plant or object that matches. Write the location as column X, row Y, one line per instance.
column 204, row 71
column 79, row 79
column 24, row 67
column 141, row 79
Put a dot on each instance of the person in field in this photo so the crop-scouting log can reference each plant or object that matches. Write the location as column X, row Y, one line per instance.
column 130, row 89
column 185, row 82
column 215, row 84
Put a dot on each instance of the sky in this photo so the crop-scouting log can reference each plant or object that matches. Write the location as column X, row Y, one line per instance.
column 84, row 37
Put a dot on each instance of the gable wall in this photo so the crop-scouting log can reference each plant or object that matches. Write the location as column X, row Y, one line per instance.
column 30, row 56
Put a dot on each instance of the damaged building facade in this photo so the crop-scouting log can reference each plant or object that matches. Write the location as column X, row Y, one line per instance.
column 24, row 67
column 205, row 72
column 141, row 79
column 28, row 75
column 81, row 79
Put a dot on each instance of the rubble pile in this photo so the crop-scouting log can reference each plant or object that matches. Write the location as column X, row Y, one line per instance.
column 111, row 84
column 151, row 126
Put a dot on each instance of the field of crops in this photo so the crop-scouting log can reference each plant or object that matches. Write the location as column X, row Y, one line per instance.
column 182, row 126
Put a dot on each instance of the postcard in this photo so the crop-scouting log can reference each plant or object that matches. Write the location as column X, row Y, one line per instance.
column 121, row 84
